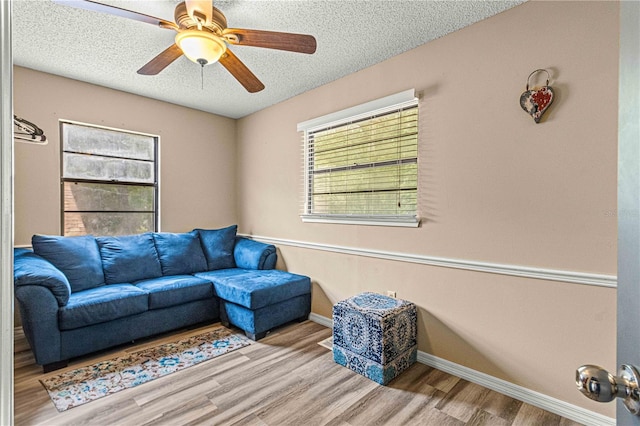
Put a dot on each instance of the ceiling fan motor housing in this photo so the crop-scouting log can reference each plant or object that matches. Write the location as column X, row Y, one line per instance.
column 217, row 25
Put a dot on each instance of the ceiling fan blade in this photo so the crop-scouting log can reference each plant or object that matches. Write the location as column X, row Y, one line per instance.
column 300, row 43
column 160, row 62
column 113, row 10
column 200, row 10
column 241, row 72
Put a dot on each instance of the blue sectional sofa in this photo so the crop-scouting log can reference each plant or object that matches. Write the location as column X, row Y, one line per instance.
column 78, row 295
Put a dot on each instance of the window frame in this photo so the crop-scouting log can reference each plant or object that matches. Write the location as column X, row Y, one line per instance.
column 155, row 184
column 389, row 104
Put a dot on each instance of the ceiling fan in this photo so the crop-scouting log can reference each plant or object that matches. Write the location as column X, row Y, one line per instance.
column 203, row 37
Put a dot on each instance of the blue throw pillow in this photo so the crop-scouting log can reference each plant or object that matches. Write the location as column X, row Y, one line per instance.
column 129, row 258
column 31, row 269
column 77, row 257
column 218, row 245
column 180, row 254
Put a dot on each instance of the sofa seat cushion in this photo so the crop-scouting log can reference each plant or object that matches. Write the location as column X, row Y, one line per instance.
column 255, row 289
column 102, row 304
column 77, row 257
column 175, row 290
column 129, row 258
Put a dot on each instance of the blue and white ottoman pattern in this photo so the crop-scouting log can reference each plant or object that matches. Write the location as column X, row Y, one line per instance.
column 375, row 335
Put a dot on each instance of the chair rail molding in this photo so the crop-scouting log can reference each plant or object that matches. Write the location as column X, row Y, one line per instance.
column 574, row 277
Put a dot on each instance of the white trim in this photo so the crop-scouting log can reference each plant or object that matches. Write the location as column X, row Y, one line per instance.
column 574, row 277
column 327, row 322
column 345, row 220
column 99, row 126
column 6, row 213
column 366, row 108
column 628, row 293
column 537, row 399
column 158, row 184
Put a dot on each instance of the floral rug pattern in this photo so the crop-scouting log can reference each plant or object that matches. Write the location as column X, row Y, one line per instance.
column 76, row 387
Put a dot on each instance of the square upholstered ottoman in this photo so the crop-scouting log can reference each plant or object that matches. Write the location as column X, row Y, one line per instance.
column 375, row 335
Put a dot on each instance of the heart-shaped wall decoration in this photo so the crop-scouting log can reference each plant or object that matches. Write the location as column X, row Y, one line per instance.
column 535, row 102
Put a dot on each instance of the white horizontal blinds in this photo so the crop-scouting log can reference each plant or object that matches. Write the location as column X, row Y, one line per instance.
column 365, row 166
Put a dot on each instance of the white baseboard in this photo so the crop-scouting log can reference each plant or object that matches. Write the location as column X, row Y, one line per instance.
column 537, row 399
column 327, row 322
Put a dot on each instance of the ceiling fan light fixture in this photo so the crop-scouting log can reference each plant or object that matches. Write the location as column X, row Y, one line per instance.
column 201, row 47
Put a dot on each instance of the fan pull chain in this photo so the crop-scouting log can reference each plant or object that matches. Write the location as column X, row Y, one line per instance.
column 202, row 63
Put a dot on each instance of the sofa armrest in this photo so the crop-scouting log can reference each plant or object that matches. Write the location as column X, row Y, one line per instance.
column 250, row 254
column 39, row 314
column 29, row 269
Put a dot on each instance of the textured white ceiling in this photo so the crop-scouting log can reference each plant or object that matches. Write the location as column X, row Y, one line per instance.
column 108, row 50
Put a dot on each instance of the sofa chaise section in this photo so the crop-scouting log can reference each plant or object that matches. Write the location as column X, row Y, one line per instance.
column 257, row 301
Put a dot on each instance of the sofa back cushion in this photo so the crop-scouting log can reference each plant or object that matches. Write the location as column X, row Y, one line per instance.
column 129, row 258
column 77, row 257
column 180, row 254
column 218, row 245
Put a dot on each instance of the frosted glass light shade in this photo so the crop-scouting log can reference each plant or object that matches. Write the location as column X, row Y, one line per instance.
column 200, row 46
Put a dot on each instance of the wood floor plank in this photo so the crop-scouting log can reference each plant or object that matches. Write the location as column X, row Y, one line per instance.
column 250, row 420
column 501, row 406
column 434, row 417
column 462, row 400
column 284, row 379
column 483, row 418
column 566, row 422
column 323, row 400
column 168, row 398
column 441, row 380
column 197, row 410
column 368, row 411
column 529, row 415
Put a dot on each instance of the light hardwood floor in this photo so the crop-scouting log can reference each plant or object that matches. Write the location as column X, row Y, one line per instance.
column 284, row 379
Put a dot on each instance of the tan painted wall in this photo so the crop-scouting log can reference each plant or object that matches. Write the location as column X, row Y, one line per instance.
column 197, row 153
column 494, row 187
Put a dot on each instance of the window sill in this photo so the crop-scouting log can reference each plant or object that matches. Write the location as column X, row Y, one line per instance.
column 405, row 222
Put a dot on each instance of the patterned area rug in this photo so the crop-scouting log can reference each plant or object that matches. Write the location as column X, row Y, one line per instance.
column 76, row 387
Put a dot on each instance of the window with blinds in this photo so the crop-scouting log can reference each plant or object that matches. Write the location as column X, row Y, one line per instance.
column 109, row 181
column 364, row 167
